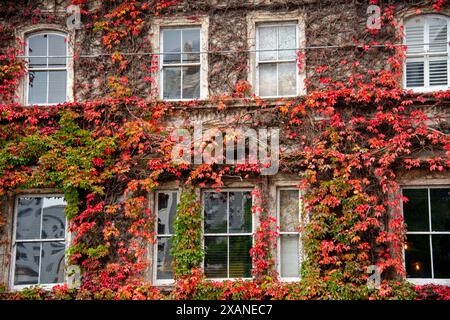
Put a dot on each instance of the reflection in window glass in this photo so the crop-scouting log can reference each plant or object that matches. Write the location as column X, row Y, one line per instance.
column 427, row 249
column 228, row 234
column 166, row 212
column 39, row 241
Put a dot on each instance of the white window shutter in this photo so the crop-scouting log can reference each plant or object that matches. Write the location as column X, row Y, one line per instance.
column 415, row 35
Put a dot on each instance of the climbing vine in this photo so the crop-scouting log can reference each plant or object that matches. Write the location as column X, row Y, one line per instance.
column 350, row 135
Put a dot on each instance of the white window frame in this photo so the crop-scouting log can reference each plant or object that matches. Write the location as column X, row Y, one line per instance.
column 46, row 69
column 251, row 234
column 432, row 280
column 277, row 61
column 426, row 56
column 157, row 281
column 45, row 286
column 181, row 64
column 280, row 233
column 255, row 18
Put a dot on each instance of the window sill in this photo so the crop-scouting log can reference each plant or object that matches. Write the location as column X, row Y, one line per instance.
column 46, row 287
column 425, row 281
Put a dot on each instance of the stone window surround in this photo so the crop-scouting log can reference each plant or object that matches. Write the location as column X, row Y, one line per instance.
column 253, row 18
column 23, row 33
column 173, row 22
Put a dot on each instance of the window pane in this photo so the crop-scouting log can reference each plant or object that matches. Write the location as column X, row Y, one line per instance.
column 289, row 255
column 28, row 224
column 27, row 263
column 37, row 46
column 438, row 35
column 438, row 73
column 441, row 256
column 440, row 209
column 172, row 43
column 216, row 257
column 287, row 39
column 164, row 268
column 267, row 79
column 37, row 88
column 415, row 74
column 240, row 260
column 287, row 79
column 53, row 219
column 191, row 82
column 52, row 264
column 289, row 210
column 415, row 37
column 191, row 43
column 215, row 212
column 417, row 256
column 240, row 212
column 267, row 40
column 57, row 87
column 167, row 210
column 56, row 47
column 415, row 211
column 172, row 83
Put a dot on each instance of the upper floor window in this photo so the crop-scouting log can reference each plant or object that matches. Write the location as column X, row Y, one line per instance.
column 47, row 68
column 228, row 228
column 289, row 240
column 180, row 63
column 427, row 216
column 166, row 205
column 39, row 241
column 426, row 65
column 276, row 59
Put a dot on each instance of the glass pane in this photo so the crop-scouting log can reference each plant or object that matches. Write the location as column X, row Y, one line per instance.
column 56, row 47
column 240, row 259
column 415, row 211
column 172, row 83
column 172, row 43
column 287, row 39
column 417, row 256
column 441, row 256
column 164, row 268
column 167, row 210
column 267, row 79
column 438, row 35
column 240, row 212
column 289, row 210
column 52, row 265
column 53, row 219
column 415, row 37
column 289, row 256
column 414, row 74
column 267, row 40
column 287, row 79
column 438, row 73
column 440, row 209
column 37, row 88
column 37, row 46
column 27, row 263
column 216, row 257
column 191, row 82
column 57, row 87
column 28, row 224
column 215, row 212
column 191, row 43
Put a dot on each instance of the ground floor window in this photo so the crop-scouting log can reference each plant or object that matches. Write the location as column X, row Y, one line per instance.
column 166, row 208
column 228, row 227
column 288, row 212
column 39, row 241
column 427, row 216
